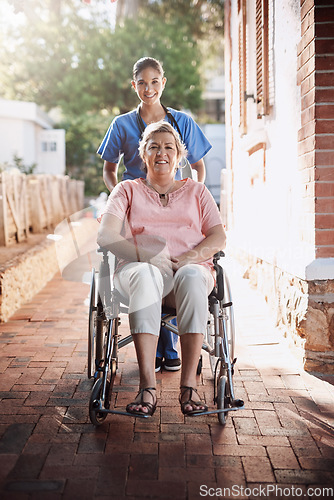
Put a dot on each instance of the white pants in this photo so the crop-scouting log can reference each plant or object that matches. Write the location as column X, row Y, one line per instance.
column 143, row 285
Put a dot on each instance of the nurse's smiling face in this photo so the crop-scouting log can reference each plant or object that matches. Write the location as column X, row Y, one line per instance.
column 161, row 155
column 149, row 85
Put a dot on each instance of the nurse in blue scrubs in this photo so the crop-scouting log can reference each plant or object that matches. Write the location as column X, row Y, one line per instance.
column 122, row 138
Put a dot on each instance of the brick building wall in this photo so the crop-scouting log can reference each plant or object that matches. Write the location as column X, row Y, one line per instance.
column 316, row 136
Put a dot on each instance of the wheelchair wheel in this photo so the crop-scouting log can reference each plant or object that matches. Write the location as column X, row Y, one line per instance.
column 95, row 330
column 96, row 417
column 113, row 360
column 91, row 327
column 222, row 398
column 100, row 334
column 228, row 316
column 210, row 338
column 108, row 359
column 226, row 321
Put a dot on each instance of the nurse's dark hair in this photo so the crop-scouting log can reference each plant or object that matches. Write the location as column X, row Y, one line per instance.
column 146, row 62
column 156, row 128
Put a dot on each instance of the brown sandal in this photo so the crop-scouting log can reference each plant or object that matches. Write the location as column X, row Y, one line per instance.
column 185, row 388
column 151, row 407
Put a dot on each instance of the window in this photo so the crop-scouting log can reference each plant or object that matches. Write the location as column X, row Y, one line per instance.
column 49, row 146
column 242, row 66
column 260, row 31
column 262, row 57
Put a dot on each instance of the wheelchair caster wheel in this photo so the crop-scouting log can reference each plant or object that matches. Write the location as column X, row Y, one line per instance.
column 238, row 403
column 96, row 417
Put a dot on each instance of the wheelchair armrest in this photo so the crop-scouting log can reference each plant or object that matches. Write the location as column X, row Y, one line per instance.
column 217, row 256
column 218, row 290
column 102, row 250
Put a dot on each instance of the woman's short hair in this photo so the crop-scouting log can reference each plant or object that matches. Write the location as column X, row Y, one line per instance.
column 156, row 128
column 146, row 62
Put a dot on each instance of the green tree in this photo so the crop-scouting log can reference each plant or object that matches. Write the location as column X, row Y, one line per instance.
column 202, row 17
column 83, row 134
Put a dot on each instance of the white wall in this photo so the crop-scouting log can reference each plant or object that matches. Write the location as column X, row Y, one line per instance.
column 23, row 126
column 267, row 203
column 51, row 152
column 215, row 159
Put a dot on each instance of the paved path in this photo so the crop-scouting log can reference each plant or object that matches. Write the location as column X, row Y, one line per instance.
column 283, row 441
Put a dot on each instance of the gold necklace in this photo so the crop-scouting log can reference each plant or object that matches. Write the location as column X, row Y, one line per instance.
column 161, row 195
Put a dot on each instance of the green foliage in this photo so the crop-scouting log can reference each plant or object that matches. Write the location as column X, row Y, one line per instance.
column 25, row 169
column 83, row 135
column 203, row 18
column 53, row 61
column 81, row 65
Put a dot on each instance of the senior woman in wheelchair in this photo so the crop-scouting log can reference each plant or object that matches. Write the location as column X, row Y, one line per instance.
column 164, row 233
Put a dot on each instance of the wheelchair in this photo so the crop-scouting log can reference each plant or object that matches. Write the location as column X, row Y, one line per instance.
column 104, row 342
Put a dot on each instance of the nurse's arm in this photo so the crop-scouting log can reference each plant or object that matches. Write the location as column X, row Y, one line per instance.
column 110, row 174
column 199, row 166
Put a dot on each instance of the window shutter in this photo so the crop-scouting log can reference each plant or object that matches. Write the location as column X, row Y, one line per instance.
column 262, row 64
column 271, row 80
column 242, row 66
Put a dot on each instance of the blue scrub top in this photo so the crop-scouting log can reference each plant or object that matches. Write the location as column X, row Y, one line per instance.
column 123, row 137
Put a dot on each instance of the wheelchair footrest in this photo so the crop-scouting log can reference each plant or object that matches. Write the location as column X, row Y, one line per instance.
column 211, row 412
column 117, row 412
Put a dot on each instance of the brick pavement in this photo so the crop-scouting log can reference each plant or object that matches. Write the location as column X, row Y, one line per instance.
column 49, row 449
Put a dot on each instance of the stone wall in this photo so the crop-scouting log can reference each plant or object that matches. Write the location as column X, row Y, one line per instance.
column 319, row 327
column 25, row 275
column 26, row 268
column 303, row 311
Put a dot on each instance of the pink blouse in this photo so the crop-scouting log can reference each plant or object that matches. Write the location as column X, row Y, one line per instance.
column 172, row 229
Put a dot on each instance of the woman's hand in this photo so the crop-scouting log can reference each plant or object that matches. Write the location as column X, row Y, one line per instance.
column 182, row 260
column 163, row 263
column 213, row 242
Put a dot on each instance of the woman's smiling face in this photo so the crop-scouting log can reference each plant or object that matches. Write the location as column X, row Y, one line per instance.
column 149, row 85
column 161, row 155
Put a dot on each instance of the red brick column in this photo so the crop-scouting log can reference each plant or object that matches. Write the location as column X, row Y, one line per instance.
column 316, row 136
